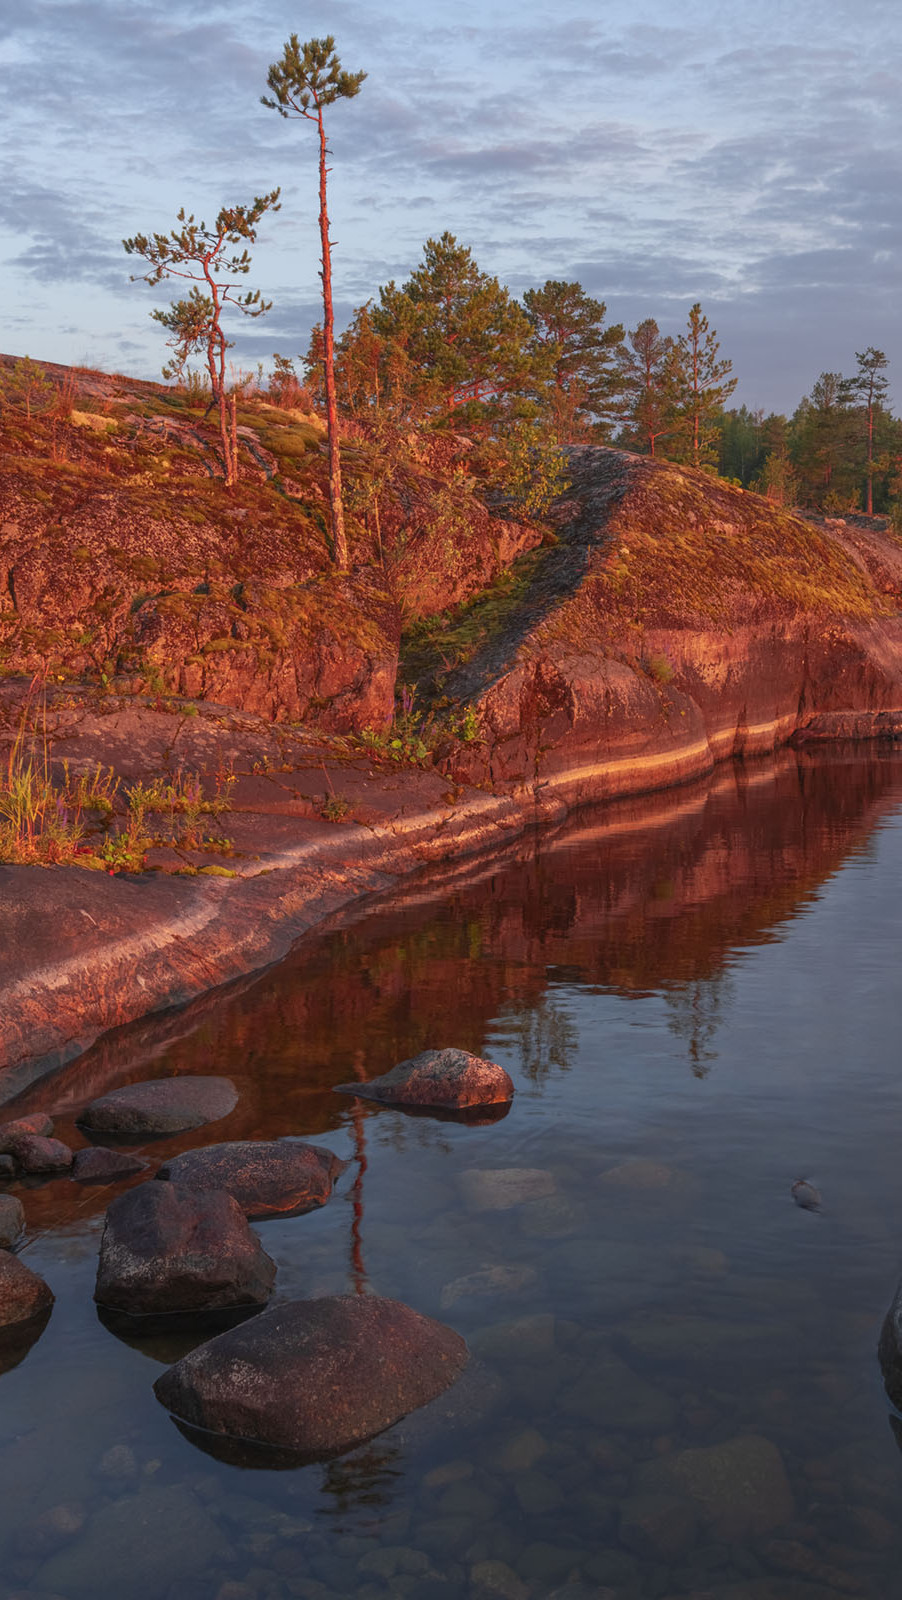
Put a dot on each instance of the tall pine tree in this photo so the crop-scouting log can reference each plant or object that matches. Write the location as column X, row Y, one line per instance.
column 703, row 386
column 587, row 377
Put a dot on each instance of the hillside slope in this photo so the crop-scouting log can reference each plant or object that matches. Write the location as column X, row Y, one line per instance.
column 678, row 621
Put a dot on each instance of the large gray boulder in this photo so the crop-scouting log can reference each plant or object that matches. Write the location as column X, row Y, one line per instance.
column 160, row 1105
column 169, row 1249
column 451, row 1080
column 315, row 1377
column 268, row 1177
column 23, row 1294
column 889, row 1350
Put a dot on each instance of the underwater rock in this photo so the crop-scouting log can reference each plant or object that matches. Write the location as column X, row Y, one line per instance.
column 166, row 1248
column 447, row 1079
column 23, row 1295
column 315, row 1377
column 97, row 1165
column 12, row 1220
column 267, row 1177
column 160, row 1105
column 739, row 1488
column 485, row 1189
column 489, row 1280
column 137, row 1546
column 658, row 1527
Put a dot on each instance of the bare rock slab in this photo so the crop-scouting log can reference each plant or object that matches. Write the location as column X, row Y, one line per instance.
column 99, row 1165
column 446, row 1079
column 159, row 1106
column 23, row 1295
column 267, row 1177
column 315, row 1377
column 12, row 1221
column 166, row 1248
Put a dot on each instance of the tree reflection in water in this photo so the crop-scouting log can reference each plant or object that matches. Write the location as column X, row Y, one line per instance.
column 697, row 1009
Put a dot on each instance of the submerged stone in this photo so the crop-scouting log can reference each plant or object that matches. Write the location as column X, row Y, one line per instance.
column 450, row 1079
column 267, row 1177
column 166, row 1248
column 160, row 1105
column 137, row 1546
column 315, row 1377
column 739, row 1488
column 486, row 1189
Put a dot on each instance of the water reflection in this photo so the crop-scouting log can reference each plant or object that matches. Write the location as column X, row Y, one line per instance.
column 697, row 995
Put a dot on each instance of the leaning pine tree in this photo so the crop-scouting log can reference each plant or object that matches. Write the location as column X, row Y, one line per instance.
column 211, row 258
column 308, row 78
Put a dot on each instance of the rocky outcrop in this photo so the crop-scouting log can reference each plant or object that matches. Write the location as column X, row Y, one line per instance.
column 168, row 1249
column 160, row 1106
column 451, row 1080
column 315, row 1376
column 267, row 1177
column 678, row 621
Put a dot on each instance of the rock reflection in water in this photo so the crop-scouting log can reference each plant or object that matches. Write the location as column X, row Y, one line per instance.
column 673, row 1389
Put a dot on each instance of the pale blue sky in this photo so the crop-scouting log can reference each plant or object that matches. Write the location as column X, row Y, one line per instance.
column 745, row 156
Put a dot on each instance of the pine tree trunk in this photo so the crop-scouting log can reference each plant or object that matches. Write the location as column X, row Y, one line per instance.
column 339, row 542
column 870, row 500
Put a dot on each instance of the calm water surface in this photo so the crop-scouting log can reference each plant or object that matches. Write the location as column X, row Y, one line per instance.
column 674, row 1388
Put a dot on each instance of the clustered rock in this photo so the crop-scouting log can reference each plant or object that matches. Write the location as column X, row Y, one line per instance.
column 310, row 1377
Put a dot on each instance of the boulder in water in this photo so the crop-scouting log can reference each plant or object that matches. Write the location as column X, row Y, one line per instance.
column 315, row 1377
column 12, row 1220
column 267, row 1177
column 446, row 1079
column 23, row 1294
column 37, row 1155
column 36, row 1122
column 889, row 1350
column 168, row 1249
column 99, row 1165
column 159, row 1106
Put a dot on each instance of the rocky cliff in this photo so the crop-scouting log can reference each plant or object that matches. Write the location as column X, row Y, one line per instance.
column 677, row 621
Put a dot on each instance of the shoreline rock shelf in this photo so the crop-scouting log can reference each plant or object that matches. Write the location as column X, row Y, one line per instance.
column 315, row 1377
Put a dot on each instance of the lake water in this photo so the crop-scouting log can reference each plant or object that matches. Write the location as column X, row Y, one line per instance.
column 674, row 1388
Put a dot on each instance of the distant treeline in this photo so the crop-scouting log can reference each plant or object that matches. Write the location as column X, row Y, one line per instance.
column 451, row 346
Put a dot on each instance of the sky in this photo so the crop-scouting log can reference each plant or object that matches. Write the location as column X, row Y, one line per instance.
column 744, row 156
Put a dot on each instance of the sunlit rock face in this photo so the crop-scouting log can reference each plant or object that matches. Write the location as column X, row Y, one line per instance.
column 678, row 621
column 315, row 1377
column 452, row 1080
